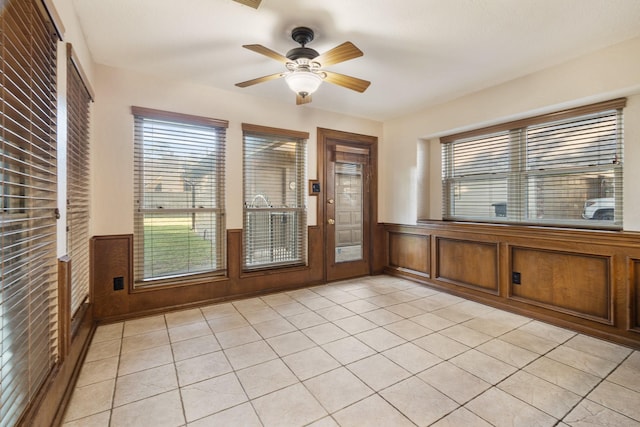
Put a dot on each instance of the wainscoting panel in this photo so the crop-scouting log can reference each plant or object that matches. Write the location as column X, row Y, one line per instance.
column 579, row 284
column 467, row 263
column 410, row 251
column 634, row 294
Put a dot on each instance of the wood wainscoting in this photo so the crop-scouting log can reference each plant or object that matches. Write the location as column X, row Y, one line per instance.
column 585, row 280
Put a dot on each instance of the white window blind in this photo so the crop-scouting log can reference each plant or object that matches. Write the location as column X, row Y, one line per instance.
column 78, row 100
column 28, row 314
column 561, row 169
column 275, row 215
column 179, row 191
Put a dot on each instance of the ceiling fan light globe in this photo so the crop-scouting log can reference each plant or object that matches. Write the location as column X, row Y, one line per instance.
column 303, row 82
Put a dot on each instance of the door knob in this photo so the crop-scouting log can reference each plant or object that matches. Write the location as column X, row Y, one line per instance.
column 331, row 221
column 330, row 201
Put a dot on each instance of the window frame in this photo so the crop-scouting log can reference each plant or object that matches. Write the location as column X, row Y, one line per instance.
column 219, row 211
column 518, row 172
column 298, row 213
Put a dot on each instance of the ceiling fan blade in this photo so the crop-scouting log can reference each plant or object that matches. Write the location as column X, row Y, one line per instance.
column 258, row 48
column 341, row 53
column 260, row 80
column 300, row 100
column 349, row 82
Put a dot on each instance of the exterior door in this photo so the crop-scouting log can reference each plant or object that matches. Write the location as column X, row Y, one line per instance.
column 347, row 210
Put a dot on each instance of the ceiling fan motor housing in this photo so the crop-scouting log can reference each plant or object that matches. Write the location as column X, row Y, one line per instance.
column 302, row 35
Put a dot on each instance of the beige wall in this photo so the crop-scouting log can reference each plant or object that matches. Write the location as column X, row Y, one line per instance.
column 606, row 74
column 112, row 139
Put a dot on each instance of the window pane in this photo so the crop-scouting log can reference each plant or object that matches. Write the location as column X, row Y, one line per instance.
column 479, row 198
column 489, row 154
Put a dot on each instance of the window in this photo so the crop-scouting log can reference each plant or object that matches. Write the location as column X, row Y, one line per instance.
column 28, row 285
column 179, row 195
column 78, row 99
column 562, row 169
column 275, row 214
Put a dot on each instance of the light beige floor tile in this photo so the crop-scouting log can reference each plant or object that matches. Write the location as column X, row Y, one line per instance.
column 249, row 304
column 590, row 414
column 363, row 292
column 593, row 365
column 562, row 375
column 408, row 330
column 317, row 303
column 461, row 417
column 98, row 371
column 380, row 339
column 250, row 354
column 202, row 368
column 355, row 324
column 489, row 326
column 324, row 422
column 372, row 411
column 411, row 357
column 275, row 300
column 215, row 311
column 501, row 409
column 164, row 410
column 508, row 353
column 506, row 319
column 145, row 359
column 191, row 330
column 486, row 367
column 348, row 350
column 144, row 341
column 261, row 315
column 456, row 383
column 144, row 325
column 337, row 389
column 306, row 320
column 381, row 317
column 103, row 350
column 405, row 310
column 360, row 306
column 322, row 334
column 225, row 323
column 302, row 294
column 97, row 420
column 340, row 297
column 404, row 296
column 626, row 375
column 422, row 291
column 548, row 332
column 418, row 401
column 431, row 303
column 265, row 378
column 441, row 346
column 290, row 343
column 528, row 341
column 433, row 322
column 194, row 347
column 596, row 347
column 378, row 372
column 144, row 384
column 108, row 332
column 291, row 309
column 274, row 327
column 383, row 300
column 466, row 336
column 90, row 400
column 454, row 314
column 292, row 406
column 334, row 313
column 309, row 363
column 238, row 336
column 184, row 317
column 550, row 398
column 208, row 397
column 618, row 398
column 242, row 415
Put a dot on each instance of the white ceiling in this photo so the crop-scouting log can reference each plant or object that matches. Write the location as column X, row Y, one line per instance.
column 417, row 53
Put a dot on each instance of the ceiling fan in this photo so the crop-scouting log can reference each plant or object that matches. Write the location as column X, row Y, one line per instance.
column 304, row 66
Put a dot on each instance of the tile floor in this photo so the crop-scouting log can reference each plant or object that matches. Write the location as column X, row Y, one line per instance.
column 376, row 351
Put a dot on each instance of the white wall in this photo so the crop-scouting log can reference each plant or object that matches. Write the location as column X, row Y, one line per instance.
column 609, row 73
column 112, row 139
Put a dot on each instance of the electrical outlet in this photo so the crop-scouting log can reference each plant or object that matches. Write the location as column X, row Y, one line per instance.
column 118, row 283
column 515, row 278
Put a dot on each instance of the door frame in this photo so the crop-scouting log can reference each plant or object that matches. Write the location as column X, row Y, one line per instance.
column 354, row 140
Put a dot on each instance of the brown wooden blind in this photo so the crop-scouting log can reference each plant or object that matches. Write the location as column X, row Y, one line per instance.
column 28, row 317
column 78, row 100
column 275, row 212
